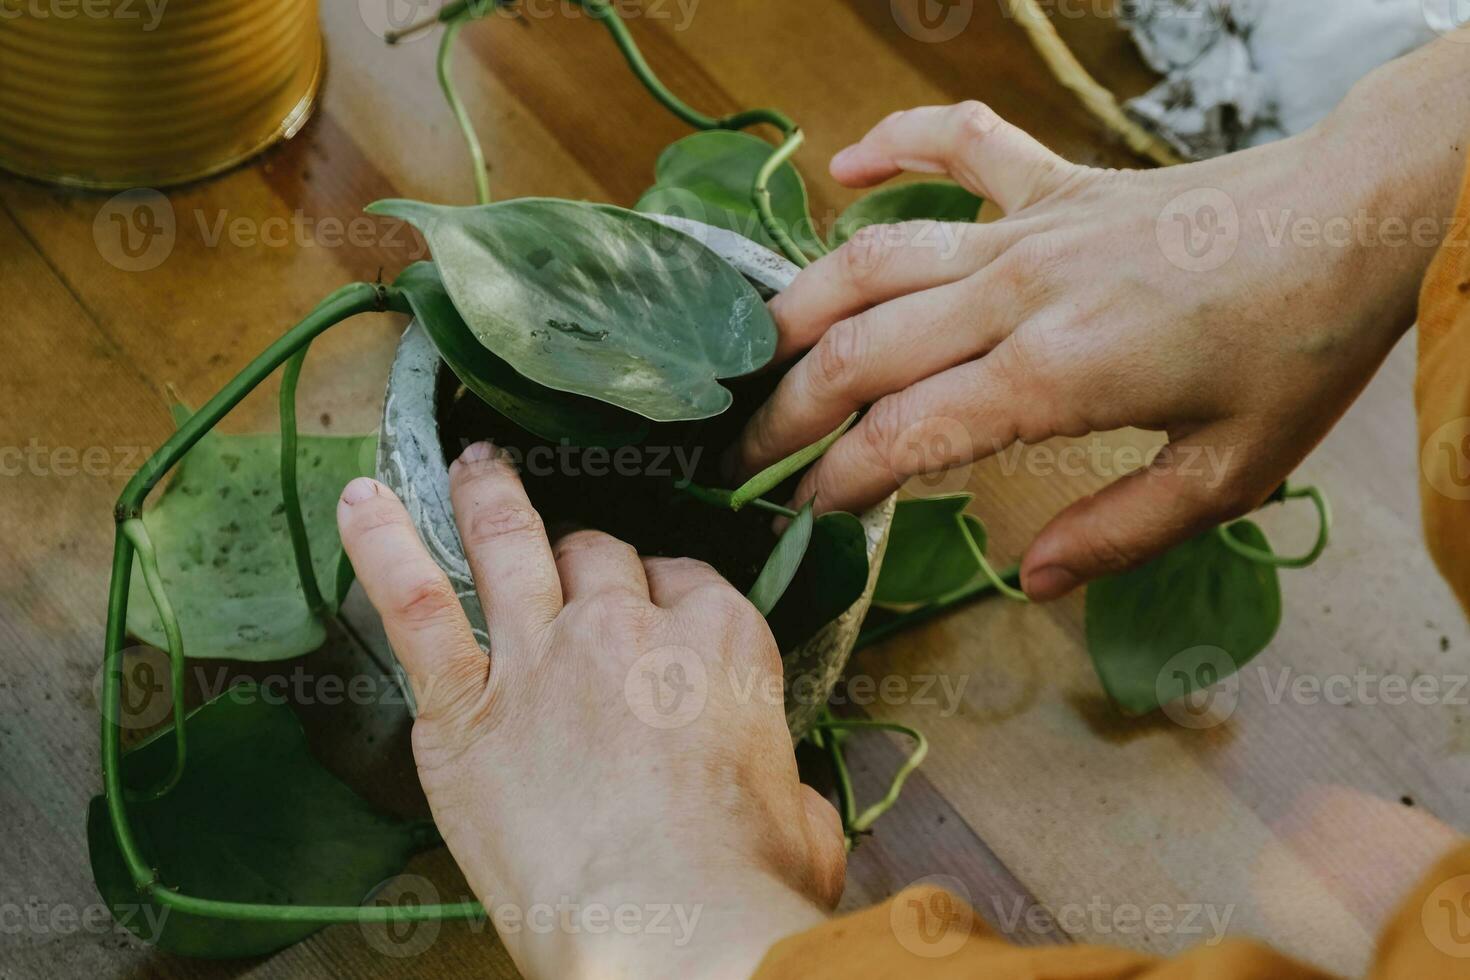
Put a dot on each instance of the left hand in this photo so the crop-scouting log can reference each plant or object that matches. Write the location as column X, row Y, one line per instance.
column 553, row 785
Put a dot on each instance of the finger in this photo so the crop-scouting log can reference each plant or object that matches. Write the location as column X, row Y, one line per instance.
column 670, row 580
column 1135, row 518
column 957, row 416
column 967, row 141
column 505, row 543
column 869, row 355
column 829, row 848
column 590, row 562
column 880, row 263
column 421, row 613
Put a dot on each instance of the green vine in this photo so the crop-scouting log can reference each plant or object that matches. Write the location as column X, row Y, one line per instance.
column 136, row 534
column 290, row 492
column 829, row 733
column 1324, row 532
column 456, row 15
column 131, row 540
column 444, row 69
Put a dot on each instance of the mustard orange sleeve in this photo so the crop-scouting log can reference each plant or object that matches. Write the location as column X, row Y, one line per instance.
column 1442, row 395
column 926, row 933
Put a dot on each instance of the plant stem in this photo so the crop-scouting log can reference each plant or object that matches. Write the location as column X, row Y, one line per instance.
column 290, row 493
column 940, row 606
column 830, row 741
column 445, row 69
column 761, row 503
column 1005, row 589
column 136, row 533
column 130, row 539
column 1260, row 557
column 713, row 496
column 760, row 192
column 725, row 499
column 833, row 727
column 446, row 13
column 455, row 15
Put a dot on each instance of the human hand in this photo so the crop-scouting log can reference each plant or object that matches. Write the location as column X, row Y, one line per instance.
column 1083, row 310
column 551, row 780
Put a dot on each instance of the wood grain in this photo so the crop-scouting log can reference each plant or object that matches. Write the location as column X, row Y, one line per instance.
column 1036, row 796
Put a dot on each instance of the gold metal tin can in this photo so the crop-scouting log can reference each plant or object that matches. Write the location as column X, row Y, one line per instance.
column 127, row 93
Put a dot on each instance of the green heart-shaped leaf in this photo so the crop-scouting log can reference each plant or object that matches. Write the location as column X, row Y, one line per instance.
column 831, row 577
column 254, row 819
column 936, row 199
column 224, row 550
column 550, row 414
column 1199, row 594
column 780, row 567
column 708, row 176
column 927, row 556
column 598, row 301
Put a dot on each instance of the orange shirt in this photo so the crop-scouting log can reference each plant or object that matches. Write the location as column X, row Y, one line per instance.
column 928, row 933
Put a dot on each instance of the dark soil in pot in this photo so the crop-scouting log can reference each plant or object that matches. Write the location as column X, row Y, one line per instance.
column 631, row 493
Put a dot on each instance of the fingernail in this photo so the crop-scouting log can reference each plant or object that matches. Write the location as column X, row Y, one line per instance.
column 477, row 451
column 844, row 155
column 1051, row 582
column 359, row 490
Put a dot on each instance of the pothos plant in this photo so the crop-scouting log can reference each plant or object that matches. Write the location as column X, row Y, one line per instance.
column 573, row 323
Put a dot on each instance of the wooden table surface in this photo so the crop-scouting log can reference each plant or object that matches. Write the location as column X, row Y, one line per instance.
column 1056, row 815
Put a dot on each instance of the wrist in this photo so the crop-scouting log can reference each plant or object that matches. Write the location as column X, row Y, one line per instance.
column 1400, row 139
column 1386, row 215
column 712, row 930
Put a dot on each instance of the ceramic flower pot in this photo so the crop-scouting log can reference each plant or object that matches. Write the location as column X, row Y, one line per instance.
column 412, row 462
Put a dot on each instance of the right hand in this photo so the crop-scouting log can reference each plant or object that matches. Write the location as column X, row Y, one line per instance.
column 1082, row 311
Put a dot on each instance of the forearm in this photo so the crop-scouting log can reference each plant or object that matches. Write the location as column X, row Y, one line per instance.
column 1402, row 135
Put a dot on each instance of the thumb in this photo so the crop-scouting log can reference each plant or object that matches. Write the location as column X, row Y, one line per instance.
column 966, row 141
column 1186, row 490
column 825, row 837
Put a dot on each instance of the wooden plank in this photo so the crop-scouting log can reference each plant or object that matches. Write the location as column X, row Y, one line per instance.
column 1035, row 792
